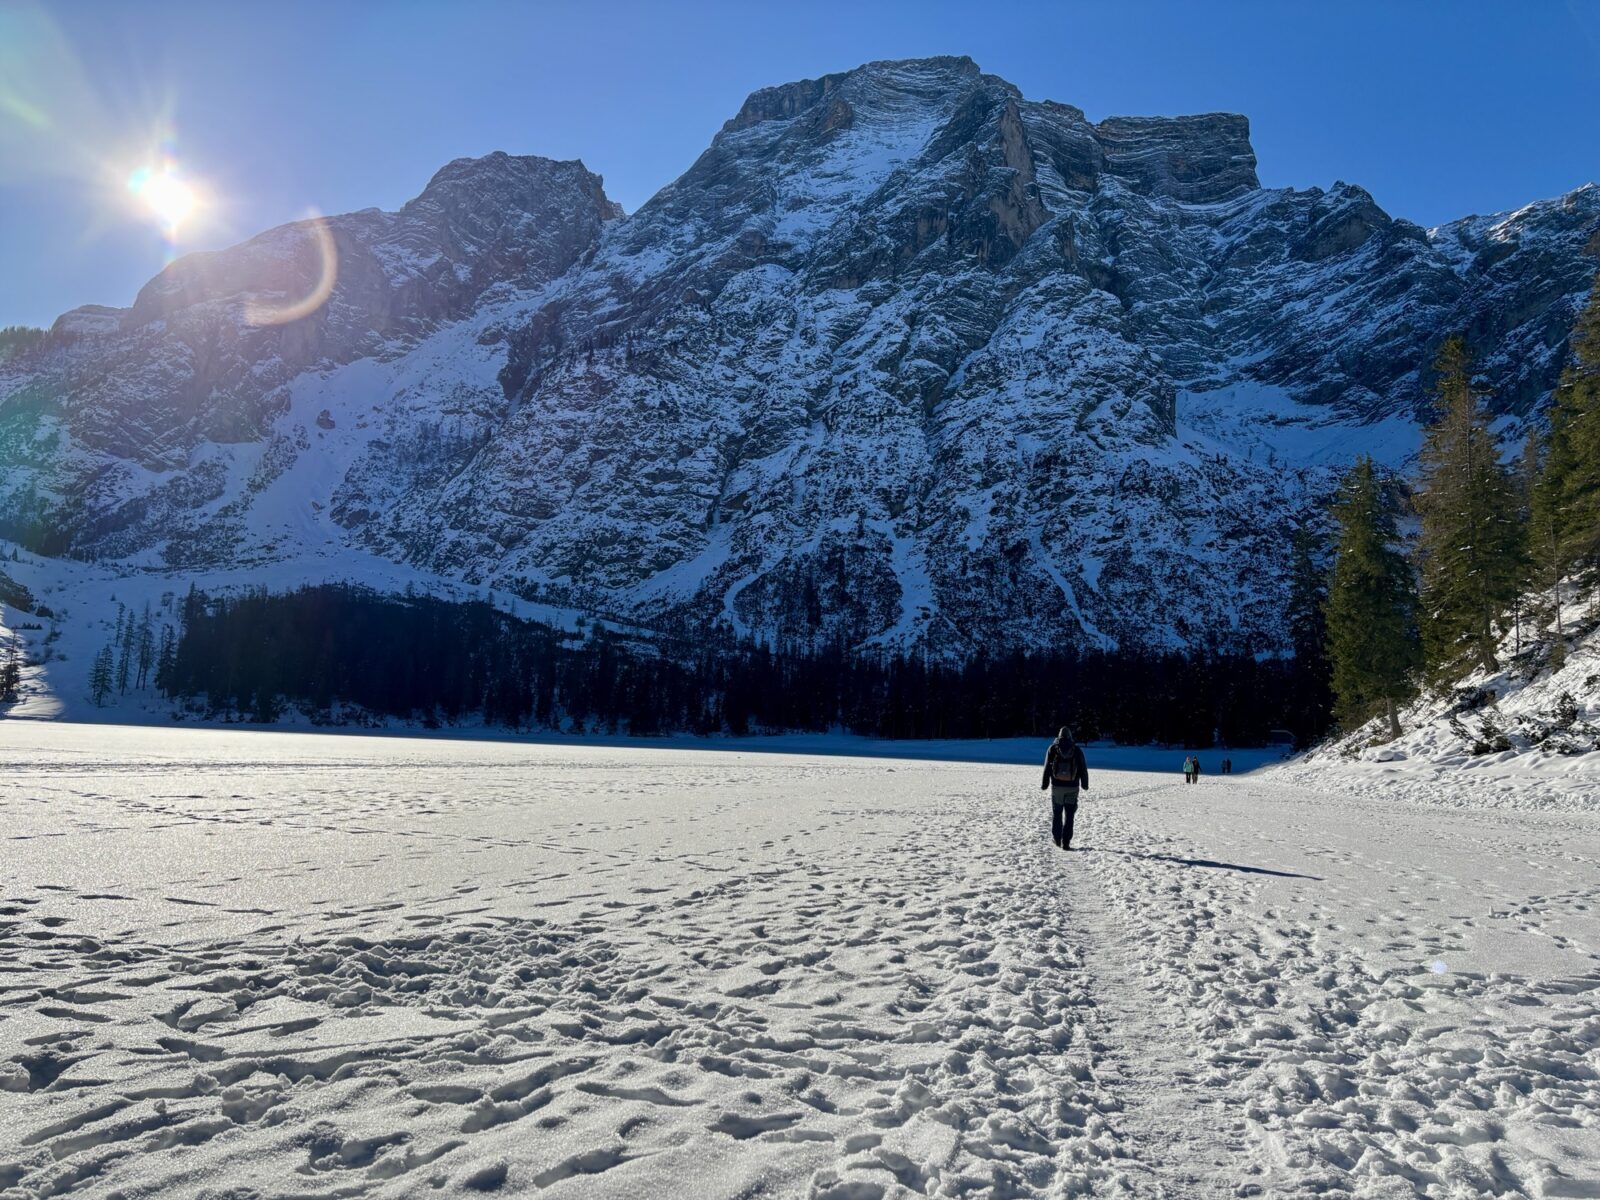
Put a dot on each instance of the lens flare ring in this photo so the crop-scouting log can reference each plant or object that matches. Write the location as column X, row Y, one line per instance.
column 282, row 312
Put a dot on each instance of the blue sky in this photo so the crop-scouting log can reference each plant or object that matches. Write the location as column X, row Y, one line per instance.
column 1439, row 110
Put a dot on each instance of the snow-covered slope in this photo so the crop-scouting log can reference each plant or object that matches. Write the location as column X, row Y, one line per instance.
column 1525, row 736
column 903, row 358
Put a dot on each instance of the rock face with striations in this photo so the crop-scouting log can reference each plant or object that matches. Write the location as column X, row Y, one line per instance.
column 903, row 359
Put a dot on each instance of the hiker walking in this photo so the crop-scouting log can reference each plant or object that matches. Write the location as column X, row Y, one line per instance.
column 1065, row 773
column 1188, row 769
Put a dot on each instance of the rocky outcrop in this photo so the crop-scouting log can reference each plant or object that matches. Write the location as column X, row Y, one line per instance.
column 904, row 358
column 1198, row 160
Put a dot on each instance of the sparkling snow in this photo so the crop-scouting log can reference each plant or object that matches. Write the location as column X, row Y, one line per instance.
column 249, row 963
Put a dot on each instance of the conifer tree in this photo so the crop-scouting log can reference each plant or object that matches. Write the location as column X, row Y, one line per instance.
column 145, row 647
column 1470, row 544
column 1308, row 591
column 1308, row 628
column 125, row 655
column 165, row 659
column 10, row 673
column 1526, row 479
column 1372, row 604
column 1564, row 522
column 100, row 676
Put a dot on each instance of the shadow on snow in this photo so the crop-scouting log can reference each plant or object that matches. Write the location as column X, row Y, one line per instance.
column 1214, row 865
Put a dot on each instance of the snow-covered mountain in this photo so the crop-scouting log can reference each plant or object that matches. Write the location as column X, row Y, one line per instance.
column 903, row 358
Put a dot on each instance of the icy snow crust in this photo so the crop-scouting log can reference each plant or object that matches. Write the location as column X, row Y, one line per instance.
column 969, row 368
column 312, row 965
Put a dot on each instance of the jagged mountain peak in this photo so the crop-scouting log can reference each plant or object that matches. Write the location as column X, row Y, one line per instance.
column 516, row 178
column 1200, row 158
column 904, row 80
column 1585, row 198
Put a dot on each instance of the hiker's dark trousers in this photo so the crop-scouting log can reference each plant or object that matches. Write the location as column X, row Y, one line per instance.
column 1063, row 810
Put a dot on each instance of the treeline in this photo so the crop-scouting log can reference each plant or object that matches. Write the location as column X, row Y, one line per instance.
column 16, row 341
column 19, row 339
column 1499, row 549
column 420, row 658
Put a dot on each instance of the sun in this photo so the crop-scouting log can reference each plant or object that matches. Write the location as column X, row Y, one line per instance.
column 165, row 196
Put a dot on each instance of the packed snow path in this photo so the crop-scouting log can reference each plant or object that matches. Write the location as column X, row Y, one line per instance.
column 251, row 964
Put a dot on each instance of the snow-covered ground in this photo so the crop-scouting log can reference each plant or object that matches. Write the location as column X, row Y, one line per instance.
column 271, row 964
column 1524, row 736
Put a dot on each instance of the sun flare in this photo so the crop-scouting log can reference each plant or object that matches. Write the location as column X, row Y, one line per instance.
column 165, row 196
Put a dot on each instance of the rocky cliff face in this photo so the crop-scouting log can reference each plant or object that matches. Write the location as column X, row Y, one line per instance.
column 903, row 358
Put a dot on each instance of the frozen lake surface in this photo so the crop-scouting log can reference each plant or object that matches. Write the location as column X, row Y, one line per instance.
column 269, row 965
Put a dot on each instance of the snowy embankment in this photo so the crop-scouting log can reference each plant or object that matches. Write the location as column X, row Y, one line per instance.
column 254, row 963
column 1524, row 736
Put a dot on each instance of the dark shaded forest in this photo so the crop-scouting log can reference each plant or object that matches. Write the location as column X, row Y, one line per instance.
column 418, row 658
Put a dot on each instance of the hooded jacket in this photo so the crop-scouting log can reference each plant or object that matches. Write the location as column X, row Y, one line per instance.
column 1062, row 757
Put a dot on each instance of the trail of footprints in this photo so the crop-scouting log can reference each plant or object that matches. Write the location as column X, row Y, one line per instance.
column 890, row 1020
column 848, row 1032
column 1359, row 1079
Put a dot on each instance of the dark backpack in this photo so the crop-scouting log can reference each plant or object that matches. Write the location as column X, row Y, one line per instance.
column 1064, row 768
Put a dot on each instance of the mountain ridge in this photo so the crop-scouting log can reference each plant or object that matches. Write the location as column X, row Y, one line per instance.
column 902, row 359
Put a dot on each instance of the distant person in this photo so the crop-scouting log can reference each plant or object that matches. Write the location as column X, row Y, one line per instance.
column 1196, row 769
column 1188, row 769
column 1065, row 773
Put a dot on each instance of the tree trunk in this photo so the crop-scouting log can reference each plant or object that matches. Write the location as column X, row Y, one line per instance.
column 1394, row 718
column 1558, row 651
